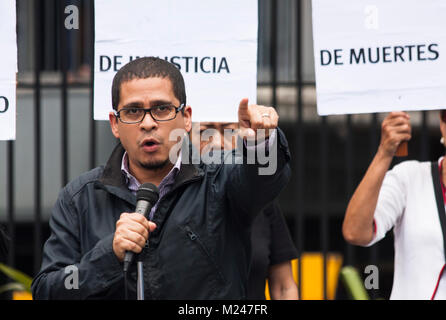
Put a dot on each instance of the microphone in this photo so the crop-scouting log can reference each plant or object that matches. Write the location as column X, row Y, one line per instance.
column 146, row 196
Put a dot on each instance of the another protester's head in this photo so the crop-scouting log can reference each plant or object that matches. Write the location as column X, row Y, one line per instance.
column 443, row 127
column 443, row 116
column 149, row 99
column 215, row 136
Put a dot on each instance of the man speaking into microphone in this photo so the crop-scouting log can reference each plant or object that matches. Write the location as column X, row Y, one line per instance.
column 195, row 241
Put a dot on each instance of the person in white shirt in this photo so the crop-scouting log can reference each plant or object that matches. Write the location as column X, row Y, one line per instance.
column 408, row 199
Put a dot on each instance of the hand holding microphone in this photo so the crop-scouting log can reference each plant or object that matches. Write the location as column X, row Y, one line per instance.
column 133, row 229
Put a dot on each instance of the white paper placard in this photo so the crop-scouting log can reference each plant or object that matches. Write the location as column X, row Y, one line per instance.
column 8, row 69
column 214, row 44
column 379, row 55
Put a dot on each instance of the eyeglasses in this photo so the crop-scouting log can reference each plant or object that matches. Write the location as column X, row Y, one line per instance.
column 158, row 113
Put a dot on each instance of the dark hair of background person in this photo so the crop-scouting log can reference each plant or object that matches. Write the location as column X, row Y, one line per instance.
column 149, row 67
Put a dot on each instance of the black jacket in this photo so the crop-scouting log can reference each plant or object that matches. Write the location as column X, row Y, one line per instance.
column 199, row 250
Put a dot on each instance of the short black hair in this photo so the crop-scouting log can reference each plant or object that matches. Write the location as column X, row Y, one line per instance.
column 149, row 67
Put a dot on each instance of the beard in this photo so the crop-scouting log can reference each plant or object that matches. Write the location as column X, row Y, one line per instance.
column 155, row 164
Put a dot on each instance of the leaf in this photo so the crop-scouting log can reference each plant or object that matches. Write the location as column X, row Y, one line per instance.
column 17, row 276
column 353, row 283
column 13, row 286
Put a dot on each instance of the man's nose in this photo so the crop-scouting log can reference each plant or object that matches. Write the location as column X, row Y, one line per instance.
column 217, row 140
column 214, row 141
column 148, row 123
column 223, row 144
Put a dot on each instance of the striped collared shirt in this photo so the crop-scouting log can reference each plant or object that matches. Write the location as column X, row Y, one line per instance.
column 164, row 187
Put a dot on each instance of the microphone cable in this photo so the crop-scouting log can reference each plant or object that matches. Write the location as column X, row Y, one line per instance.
column 146, row 196
column 126, row 288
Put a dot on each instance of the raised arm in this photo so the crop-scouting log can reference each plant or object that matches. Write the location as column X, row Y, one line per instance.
column 358, row 228
column 264, row 170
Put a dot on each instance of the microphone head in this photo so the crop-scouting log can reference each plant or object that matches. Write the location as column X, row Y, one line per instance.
column 148, row 192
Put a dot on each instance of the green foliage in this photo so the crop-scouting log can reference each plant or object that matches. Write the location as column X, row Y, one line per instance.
column 353, row 282
column 22, row 281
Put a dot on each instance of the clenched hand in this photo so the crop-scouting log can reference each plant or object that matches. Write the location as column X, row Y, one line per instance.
column 132, row 232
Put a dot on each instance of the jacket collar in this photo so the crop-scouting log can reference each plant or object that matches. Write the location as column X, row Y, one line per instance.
column 114, row 180
column 112, row 174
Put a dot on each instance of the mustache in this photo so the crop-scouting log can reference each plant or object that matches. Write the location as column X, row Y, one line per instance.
column 156, row 137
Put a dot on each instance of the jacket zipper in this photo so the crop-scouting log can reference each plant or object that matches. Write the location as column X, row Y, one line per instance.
column 195, row 238
column 171, row 191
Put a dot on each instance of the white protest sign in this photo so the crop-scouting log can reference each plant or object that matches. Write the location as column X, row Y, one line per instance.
column 379, row 55
column 213, row 43
column 8, row 70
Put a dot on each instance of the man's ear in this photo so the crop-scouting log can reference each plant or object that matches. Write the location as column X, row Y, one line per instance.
column 187, row 116
column 113, row 124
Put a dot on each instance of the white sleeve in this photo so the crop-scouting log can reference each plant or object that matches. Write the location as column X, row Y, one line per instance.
column 391, row 203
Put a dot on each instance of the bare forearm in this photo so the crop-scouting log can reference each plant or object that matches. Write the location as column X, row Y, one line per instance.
column 358, row 222
column 281, row 282
column 285, row 293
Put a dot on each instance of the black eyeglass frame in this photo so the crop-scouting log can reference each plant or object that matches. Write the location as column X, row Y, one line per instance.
column 149, row 110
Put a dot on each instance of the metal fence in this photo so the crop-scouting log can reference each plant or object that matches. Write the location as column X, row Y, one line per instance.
column 57, row 138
